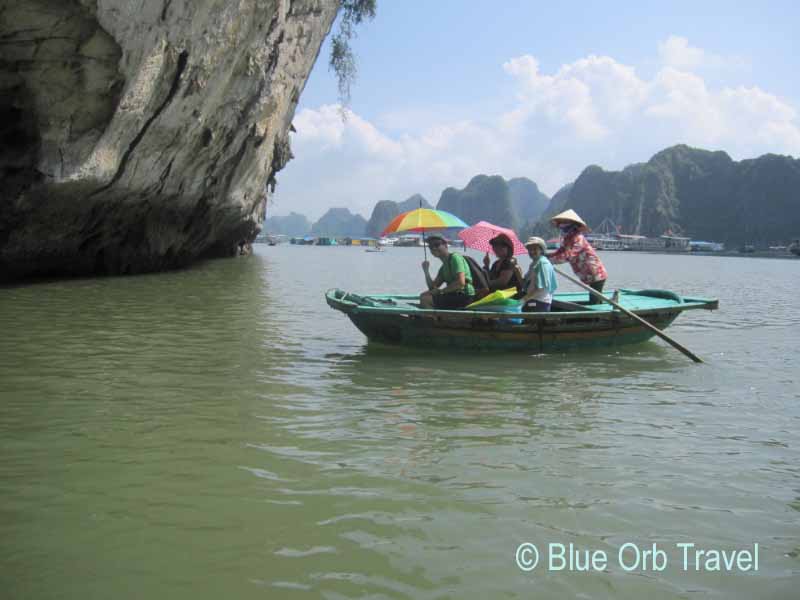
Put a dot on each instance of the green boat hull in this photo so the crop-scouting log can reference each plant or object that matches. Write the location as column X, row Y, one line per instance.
column 573, row 325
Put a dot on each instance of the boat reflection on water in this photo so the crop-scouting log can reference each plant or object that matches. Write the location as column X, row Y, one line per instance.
column 422, row 406
column 379, row 373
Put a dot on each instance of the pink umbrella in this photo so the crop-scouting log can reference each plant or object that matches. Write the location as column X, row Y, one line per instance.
column 478, row 237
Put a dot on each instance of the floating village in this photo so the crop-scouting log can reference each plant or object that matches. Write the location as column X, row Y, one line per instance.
column 607, row 237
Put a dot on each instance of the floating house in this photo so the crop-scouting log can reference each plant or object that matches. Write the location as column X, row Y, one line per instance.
column 409, row 240
column 699, row 246
column 676, row 243
column 604, row 242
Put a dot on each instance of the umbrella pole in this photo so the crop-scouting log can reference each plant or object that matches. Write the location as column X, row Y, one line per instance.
column 424, row 244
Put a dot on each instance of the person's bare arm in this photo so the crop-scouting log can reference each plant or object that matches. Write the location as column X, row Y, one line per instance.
column 459, row 284
column 431, row 283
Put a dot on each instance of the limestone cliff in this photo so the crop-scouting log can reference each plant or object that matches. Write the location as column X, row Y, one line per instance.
column 138, row 135
column 526, row 199
column 386, row 210
column 339, row 222
column 293, row 224
column 702, row 194
column 484, row 199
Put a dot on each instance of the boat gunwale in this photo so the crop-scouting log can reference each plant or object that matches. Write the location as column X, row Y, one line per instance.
column 349, row 307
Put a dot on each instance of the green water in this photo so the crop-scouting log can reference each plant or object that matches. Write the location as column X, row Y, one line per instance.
column 219, row 432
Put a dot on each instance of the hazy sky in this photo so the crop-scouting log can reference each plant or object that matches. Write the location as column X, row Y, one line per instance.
column 450, row 89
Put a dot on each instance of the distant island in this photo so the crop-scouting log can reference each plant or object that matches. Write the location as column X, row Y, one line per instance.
column 491, row 198
column 511, row 203
column 527, row 202
column 686, row 191
column 386, row 210
column 293, row 224
column 339, row 222
column 484, row 199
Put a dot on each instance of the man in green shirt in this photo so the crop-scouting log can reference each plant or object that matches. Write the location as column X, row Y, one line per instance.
column 454, row 272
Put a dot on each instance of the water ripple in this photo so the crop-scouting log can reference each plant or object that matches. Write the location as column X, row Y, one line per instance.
column 222, row 425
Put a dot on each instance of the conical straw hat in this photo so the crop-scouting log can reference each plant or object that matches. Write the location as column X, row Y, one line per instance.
column 569, row 215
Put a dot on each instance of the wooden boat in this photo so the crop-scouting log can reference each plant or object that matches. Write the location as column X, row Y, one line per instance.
column 572, row 324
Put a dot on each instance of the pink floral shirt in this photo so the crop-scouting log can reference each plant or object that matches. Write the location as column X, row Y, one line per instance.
column 577, row 250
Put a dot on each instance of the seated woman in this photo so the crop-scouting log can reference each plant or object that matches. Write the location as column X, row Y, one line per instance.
column 503, row 274
column 454, row 272
column 540, row 282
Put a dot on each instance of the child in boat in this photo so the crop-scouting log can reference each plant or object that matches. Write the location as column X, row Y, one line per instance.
column 540, row 282
column 454, row 272
column 577, row 250
column 503, row 273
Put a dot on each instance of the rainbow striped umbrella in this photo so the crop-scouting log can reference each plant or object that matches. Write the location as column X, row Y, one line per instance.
column 421, row 220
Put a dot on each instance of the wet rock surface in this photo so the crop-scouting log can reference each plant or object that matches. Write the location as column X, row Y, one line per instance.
column 141, row 135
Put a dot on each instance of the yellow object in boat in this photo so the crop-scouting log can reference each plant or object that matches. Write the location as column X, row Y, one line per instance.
column 494, row 297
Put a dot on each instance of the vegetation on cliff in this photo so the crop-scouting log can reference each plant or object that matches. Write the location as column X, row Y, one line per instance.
column 686, row 191
column 527, row 201
column 693, row 192
column 342, row 61
column 511, row 203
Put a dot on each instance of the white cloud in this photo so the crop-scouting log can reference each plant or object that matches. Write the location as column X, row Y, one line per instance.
column 594, row 110
column 744, row 121
column 616, row 89
column 683, row 99
column 677, row 52
column 320, row 126
column 560, row 98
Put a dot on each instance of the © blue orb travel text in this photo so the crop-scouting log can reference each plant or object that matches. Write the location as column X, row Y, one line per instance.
column 631, row 557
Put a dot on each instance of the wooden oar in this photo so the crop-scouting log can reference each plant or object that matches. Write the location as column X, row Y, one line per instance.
column 616, row 305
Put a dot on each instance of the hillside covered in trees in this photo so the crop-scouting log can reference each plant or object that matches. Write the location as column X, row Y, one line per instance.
column 697, row 193
column 492, row 198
